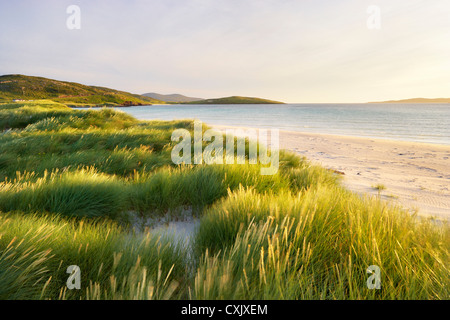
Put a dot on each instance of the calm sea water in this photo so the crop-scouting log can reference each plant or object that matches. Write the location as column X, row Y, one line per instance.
column 410, row 122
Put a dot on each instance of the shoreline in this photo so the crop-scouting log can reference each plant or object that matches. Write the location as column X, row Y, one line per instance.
column 431, row 144
column 416, row 174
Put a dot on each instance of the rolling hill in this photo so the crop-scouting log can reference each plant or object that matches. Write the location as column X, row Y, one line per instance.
column 171, row 97
column 236, row 100
column 73, row 94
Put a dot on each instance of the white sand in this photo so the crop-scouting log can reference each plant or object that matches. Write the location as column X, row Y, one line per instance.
column 182, row 231
column 180, row 227
column 416, row 175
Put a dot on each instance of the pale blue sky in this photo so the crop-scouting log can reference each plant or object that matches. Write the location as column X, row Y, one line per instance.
column 288, row 50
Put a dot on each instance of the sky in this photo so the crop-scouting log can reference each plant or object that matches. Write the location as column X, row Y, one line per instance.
column 295, row 51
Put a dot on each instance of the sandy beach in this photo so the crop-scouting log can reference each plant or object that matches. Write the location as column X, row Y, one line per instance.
column 416, row 175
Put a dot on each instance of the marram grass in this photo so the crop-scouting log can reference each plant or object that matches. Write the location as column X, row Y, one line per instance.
column 318, row 245
column 70, row 178
column 37, row 249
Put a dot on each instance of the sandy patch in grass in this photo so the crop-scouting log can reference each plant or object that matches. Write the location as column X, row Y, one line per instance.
column 180, row 226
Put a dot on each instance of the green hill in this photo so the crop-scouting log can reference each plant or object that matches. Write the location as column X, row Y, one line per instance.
column 236, row 100
column 20, row 87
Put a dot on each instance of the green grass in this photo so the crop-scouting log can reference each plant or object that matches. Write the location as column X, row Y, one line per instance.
column 71, row 179
column 318, row 245
column 36, row 250
column 83, row 193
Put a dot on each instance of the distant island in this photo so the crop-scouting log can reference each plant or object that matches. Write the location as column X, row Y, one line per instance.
column 181, row 99
column 417, row 100
column 235, row 100
column 175, row 97
column 17, row 87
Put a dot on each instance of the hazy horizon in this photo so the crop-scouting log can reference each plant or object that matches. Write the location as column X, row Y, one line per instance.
column 290, row 51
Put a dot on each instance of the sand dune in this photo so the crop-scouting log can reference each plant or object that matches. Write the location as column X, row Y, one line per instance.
column 416, row 175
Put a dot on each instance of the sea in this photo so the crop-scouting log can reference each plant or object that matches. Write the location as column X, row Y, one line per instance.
column 428, row 123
